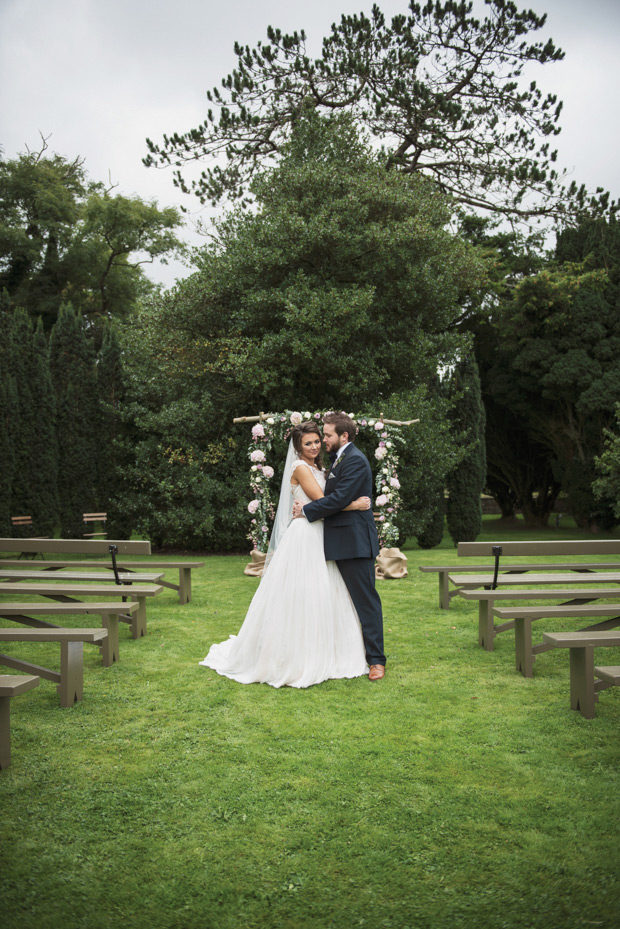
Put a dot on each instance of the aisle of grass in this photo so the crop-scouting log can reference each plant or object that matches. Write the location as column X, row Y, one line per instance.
column 453, row 793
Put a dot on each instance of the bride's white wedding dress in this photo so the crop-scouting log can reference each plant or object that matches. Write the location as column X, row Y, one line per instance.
column 301, row 627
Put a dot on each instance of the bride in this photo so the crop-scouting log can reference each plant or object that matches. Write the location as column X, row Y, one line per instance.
column 301, row 627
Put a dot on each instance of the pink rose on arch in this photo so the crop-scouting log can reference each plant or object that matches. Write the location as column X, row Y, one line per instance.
column 257, row 455
column 263, row 528
column 381, row 500
column 253, row 505
column 267, row 471
column 296, row 418
column 395, row 482
column 382, row 519
column 384, row 435
column 379, row 426
column 380, row 452
column 258, row 431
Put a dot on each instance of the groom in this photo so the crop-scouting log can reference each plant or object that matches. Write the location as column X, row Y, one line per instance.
column 350, row 538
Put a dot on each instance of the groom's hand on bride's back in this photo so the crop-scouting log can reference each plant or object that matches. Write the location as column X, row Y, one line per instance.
column 298, row 511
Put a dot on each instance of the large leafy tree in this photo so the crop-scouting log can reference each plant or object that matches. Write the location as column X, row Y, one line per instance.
column 343, row 288
column 438, row 87
column 64, row 238
column 556, row 374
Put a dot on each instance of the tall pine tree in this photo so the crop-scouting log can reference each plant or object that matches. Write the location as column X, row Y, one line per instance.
column 23, row 429
column 111, row 459
column 72, row 364
column 44, row 471
column 8, row 417
column 466, row 482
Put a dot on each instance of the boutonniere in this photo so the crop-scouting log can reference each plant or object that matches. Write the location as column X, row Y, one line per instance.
column 338, row 460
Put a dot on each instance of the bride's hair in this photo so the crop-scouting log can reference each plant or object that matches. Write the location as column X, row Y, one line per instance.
column 307, row 428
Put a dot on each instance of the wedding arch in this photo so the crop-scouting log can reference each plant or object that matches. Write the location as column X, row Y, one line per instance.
column 271, row 428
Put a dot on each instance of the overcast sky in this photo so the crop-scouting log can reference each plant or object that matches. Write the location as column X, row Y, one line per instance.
column 99, row 76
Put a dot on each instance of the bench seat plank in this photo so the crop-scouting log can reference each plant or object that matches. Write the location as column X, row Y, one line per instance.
column 76, row 546
column 71, row 678
column 484, row 580
column 30, row 575
column 609, row 673
column 10, row 686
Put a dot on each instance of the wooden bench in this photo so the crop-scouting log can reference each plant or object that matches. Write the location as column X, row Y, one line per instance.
column 110, row 613
column 70, row 680
column 486, row 599
column 497, row 552
column 93, row 518
column 97, row 547
column 72, row 593
column 24, row 522
column 10, row 686
column 586, row 680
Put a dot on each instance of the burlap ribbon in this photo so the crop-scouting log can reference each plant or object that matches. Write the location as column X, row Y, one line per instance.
column 255, row 567
column 391, row 563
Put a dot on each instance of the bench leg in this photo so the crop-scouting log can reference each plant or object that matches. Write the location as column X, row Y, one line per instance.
column 138, row 619
column 185, row 585
column 524, row 658
column 71, row 687
column 109, row 647
column 486, row 631
column 444, row 590
column 5, row 732
column 582, row 680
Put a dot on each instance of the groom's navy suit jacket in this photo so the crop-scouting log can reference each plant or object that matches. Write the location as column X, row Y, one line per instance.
column 352, row 534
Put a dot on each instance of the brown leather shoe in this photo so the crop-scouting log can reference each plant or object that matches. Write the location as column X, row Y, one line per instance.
column 377, row 671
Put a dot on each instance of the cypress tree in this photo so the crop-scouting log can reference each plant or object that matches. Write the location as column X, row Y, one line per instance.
column 74, row 479
column 432, row 534
column 8, row 417
column 44, row 473
column 466, row 483
column 72, row 365
column 20, row 366
column 111, row 460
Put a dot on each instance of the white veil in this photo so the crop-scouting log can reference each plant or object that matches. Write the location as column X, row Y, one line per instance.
column 284, row 513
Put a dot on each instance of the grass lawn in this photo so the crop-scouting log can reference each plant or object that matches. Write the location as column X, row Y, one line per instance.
column 454, row 793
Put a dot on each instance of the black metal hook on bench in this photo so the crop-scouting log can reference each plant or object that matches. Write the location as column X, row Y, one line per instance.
column 497, row 551
column 113, row 549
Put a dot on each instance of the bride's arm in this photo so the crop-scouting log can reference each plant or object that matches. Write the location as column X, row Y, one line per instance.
column 303, row 476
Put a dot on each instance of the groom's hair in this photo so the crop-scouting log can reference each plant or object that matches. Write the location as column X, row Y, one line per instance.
column 342, row 423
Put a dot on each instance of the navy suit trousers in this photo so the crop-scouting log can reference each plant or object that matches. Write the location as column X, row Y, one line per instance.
column 359, row 577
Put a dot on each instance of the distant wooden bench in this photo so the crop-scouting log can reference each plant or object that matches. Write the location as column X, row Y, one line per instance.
column 586, row 679
column 72, row 593
column 98, row 547
column 497, row 552
column 27, row 613
column 70, row 680
column 10, row 686
column 24, row 522
column 93, row 518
